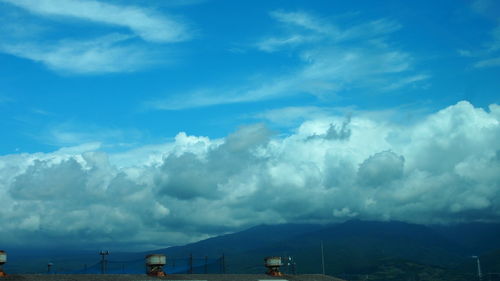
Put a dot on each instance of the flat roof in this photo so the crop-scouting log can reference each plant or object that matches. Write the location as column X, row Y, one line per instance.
column 172, row 277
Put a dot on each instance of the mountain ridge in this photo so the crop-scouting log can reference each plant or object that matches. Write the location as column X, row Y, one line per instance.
column 352, row 247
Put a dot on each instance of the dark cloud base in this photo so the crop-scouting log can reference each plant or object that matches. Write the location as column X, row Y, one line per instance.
column 443, row 169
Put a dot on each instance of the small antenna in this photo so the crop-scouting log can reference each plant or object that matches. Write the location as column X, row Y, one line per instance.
column 479, row 274
column 103, row 261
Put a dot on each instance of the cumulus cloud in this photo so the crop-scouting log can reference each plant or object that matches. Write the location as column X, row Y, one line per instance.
column 381, row 169
column 441, row 169
column 336, row 132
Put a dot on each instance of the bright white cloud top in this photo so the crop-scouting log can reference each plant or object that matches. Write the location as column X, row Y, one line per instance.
column 443, row 168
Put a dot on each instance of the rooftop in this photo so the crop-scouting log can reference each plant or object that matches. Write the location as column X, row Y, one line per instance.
column 135, row 277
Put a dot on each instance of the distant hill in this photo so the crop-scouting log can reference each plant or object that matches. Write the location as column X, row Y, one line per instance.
column 403, row 270
column 352, row 248
column 239, row 242
column 490, row 263
column 476, row 238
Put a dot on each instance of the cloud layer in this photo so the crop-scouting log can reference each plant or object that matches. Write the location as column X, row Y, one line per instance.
column 442, row 169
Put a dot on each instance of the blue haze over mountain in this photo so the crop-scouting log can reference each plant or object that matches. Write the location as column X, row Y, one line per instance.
column 351, row 248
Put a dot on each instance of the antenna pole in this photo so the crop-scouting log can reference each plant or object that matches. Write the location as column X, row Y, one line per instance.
column 322, row 258
column 479, row 274
column 103, row 261
column 479, row 269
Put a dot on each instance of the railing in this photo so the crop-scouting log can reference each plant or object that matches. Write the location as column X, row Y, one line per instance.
column 187, row 265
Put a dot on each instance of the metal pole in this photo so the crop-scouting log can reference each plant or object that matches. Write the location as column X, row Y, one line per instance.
column 103, row 261
column 322, row 258
column 206, row 264
column 479, row 274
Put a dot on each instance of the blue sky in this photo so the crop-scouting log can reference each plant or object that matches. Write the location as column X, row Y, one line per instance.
column 153, row 95
column 206, row 67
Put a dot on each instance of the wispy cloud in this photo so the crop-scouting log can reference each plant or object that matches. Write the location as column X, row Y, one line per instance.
column 263, row 90
column 4, row 99
column 272, row 44
column 117, row 50
column 489, row 54
column 293, row 115
column 70, row 133
column 304, row 20
column 145, row 23
column 110, row 53
column 304, row 28
column 407, row 81
column 488, row 62
column 332, row 60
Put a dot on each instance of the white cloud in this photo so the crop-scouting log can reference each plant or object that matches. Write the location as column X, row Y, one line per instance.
column 488, row 55
column 407, row 81
column 273, row 44
column 145, row 23
column 317, row 30
column 71, row 133
column 100, row 55
column 115, row 49
column 488, row 63
column 443, row 168
column 304, row 20
column 333, row 60
column 488, row 8
column 290, row 116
